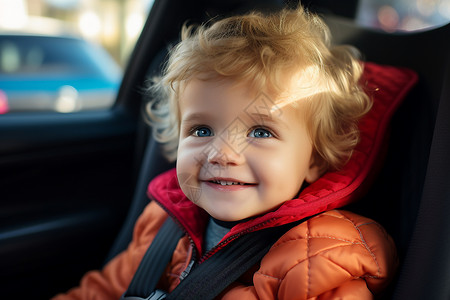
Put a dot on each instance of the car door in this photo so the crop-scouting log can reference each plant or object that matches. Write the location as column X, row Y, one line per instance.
column 65, row 182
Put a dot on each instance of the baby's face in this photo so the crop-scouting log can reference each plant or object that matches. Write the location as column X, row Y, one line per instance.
column 240, row 153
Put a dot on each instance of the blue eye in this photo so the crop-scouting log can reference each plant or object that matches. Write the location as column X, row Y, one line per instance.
column 202, row 132
column 260, row 133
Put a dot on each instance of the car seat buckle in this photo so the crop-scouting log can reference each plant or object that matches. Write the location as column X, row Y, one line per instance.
column 155, row 295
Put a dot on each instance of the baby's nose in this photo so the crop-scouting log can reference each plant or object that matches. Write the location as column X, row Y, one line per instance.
column 224, row 153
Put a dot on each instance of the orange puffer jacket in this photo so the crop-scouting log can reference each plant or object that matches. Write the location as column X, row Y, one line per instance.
column 334, row 255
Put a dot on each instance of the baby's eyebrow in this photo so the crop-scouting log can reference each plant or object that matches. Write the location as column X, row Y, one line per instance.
column 196, row 117
column 269, row 119
column 193, row 117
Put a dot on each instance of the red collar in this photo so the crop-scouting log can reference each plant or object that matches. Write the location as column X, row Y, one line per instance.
column 387, row 86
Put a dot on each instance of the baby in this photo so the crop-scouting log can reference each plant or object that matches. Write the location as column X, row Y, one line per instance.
column 253, row 108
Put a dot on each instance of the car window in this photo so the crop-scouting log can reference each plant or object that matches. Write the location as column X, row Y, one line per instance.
column 65, row 55
column 403, row 15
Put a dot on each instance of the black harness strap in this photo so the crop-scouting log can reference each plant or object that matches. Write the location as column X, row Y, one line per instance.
column 154, row 261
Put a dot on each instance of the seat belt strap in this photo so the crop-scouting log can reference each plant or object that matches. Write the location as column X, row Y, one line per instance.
column 154, row 261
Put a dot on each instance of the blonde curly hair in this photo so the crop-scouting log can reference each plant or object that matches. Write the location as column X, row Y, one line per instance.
column 258, row 49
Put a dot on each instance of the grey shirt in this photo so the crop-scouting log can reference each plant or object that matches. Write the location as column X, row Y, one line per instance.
column 214, row 233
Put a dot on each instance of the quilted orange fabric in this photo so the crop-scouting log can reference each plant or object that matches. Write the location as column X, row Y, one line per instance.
column 335, row 255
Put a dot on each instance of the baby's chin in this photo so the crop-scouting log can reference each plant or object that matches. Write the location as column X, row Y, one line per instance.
column 234, row 218
column 230, row 217
column 226, row 218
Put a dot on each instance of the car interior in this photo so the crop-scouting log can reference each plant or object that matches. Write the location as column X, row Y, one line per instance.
column 72, row 185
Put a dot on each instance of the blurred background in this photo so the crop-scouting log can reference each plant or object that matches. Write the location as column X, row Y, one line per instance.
column 115, row 24
column 403, row 15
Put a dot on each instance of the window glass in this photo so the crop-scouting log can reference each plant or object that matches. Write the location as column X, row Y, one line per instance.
column 403, row 15
column 65, row 55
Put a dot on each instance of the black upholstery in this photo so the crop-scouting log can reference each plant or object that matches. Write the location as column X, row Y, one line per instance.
column 426, row 268
column 411, row 195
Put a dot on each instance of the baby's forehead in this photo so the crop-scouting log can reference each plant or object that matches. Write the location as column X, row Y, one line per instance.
column 282, row 90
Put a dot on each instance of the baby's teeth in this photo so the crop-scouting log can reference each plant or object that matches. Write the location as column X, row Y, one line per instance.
column 224, row 182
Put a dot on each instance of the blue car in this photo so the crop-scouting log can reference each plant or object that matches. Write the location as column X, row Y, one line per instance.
column 55, row 73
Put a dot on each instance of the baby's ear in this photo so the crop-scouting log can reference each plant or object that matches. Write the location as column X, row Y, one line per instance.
column 317, row 167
